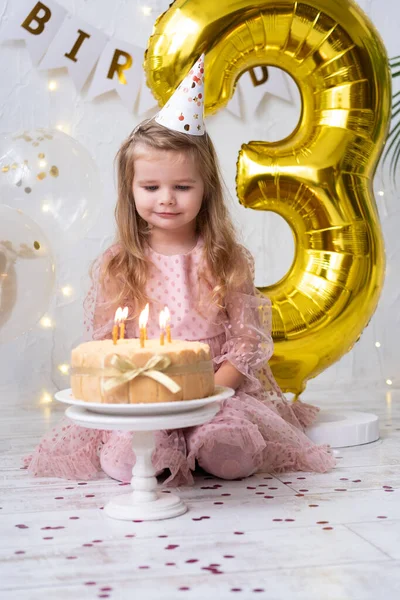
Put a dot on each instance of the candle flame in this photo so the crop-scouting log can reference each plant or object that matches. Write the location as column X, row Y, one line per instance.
column 163, row 320
column 118, row 315
column 144, row 316
column 167, row 314
column 124, row 314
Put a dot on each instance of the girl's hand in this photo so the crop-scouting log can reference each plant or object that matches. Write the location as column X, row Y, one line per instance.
column 227, row 375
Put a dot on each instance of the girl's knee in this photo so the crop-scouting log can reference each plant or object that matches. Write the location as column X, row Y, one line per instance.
column 116, row 468
column 226, row 462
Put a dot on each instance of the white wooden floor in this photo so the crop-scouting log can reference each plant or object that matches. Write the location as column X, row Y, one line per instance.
column 298, row 536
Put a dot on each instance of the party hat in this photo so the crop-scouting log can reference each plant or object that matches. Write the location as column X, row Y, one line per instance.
column 184, row 111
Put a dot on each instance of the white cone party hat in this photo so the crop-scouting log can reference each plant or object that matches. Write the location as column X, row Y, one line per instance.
column 184, row 111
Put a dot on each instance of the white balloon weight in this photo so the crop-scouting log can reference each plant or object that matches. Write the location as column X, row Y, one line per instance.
column 53, row 179
column 26, row 273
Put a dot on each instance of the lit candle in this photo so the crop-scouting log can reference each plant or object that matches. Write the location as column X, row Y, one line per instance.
column 143, row 318
column 162, row 322
column 117, row 319
column 124, row 316
column 167, row 324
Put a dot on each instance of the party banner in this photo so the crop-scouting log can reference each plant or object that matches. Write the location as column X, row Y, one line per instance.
column 120, row 69
column 34, row 22
column 56, row 39
column 77, row 47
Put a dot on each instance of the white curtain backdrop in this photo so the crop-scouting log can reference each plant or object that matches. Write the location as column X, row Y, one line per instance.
column 32, row 362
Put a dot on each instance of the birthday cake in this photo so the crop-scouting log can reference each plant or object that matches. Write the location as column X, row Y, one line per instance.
column 126, row 373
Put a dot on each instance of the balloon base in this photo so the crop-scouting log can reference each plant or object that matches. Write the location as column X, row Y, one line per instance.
column 344, row 428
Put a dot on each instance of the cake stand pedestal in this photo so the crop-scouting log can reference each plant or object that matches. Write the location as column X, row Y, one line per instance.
column 145, row 502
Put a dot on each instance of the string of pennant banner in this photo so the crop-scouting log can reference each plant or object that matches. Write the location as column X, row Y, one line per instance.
column 57, row 39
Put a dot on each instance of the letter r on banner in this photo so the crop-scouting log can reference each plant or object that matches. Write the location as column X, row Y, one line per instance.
column 117, row 67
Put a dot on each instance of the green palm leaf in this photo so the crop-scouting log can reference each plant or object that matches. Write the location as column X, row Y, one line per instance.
column 392, row 151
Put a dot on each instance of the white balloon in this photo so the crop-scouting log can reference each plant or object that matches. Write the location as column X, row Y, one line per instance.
column 26, row 273
column 53, row 179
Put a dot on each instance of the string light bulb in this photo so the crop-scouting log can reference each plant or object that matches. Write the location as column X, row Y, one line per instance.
column 46, row 398
column 52, row 85
column 146, row 10
column 46, row 322
column 64, row 369
column 378, row 344
column 389, row 381
column 66, row 290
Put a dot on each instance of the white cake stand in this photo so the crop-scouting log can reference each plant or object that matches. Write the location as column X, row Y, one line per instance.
column 144, row 503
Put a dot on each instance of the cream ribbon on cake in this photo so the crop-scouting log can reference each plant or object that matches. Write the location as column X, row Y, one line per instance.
column 153, row 369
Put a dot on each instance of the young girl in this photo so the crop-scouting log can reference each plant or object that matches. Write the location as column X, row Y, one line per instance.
column 177, row 247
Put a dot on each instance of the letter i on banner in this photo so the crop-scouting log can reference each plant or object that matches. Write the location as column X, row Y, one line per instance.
column 34, row 22
column 119, row 68
column 76, row 46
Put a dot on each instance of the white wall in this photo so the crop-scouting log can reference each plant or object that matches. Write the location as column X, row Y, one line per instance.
column 30, row 362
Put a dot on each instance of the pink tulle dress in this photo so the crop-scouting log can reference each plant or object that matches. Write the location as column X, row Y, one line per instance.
column 255, row 430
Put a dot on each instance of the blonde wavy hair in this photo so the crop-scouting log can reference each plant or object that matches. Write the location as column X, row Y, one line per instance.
column 225, row 258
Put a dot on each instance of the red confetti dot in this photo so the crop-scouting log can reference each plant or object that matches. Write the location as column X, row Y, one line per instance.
column 184, row 588
column 228, row 556
column 20, row 552
column 74, row 518
column 71, row 557
column 322, row 522
column 218, row 502
column 90, row 583
column 313, row 505
column 327, row 528
column 192, row 560
column 238, row 532
column 381, row 517
column 236, row 589
column 278, row 520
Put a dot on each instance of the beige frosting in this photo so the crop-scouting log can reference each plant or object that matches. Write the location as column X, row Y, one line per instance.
column 197, row 380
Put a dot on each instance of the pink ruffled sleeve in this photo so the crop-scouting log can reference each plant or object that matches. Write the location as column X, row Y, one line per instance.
column 249, row 343
column 99, row 310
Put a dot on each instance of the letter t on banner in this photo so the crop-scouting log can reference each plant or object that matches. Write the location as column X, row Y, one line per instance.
column 120, row 69
column 77, row 46
column 34, row 22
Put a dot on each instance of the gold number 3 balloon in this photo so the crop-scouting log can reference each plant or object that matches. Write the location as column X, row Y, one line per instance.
column 319, row 179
